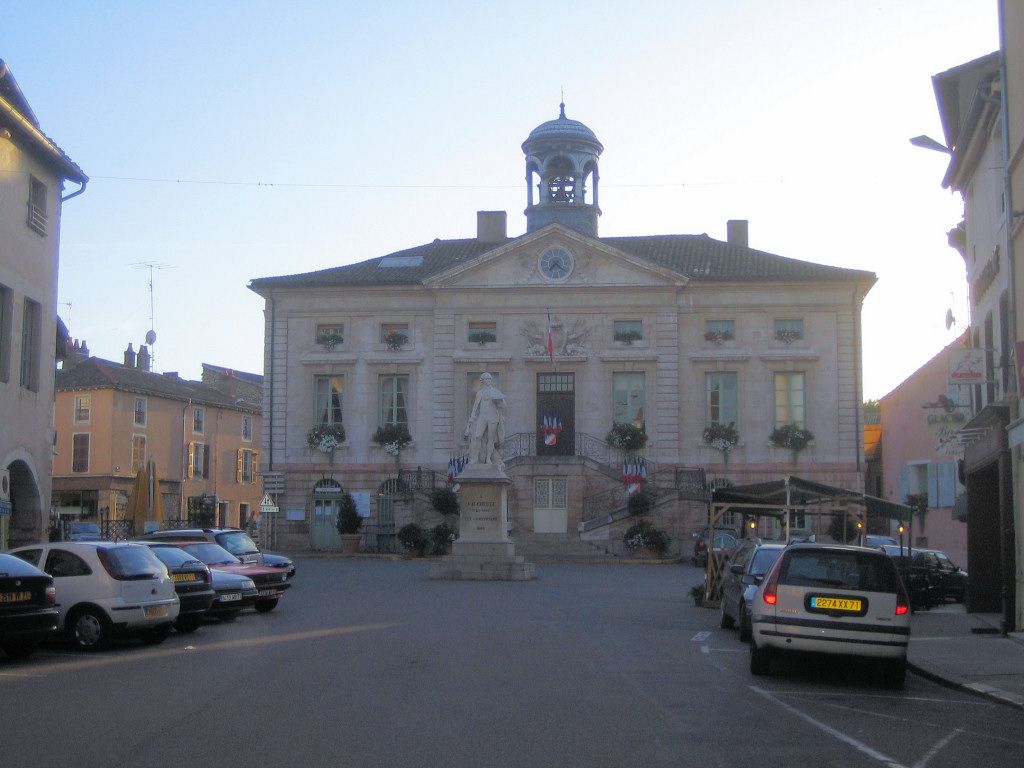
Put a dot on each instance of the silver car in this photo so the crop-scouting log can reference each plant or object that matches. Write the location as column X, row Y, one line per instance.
column 835, row 600
column 740, row 579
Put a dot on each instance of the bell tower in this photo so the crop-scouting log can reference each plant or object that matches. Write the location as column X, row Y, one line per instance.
column 561, row 171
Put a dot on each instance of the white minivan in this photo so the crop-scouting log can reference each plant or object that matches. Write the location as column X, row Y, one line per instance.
column 106, row 588
column 832, row 599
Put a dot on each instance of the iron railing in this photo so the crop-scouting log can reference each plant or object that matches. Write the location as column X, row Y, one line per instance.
column 419, row 479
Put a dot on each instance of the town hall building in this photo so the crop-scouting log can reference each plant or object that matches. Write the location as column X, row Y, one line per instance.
column 670, row 334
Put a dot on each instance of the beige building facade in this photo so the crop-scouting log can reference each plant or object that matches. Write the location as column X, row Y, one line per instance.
column 33, row 171
column 668, row 333
column 204, row 438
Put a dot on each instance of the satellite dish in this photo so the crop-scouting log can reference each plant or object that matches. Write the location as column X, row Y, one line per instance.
column 151, row 335
column 949, row 320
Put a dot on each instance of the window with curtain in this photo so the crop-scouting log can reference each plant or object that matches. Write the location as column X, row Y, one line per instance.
column 394, row 400
column 721, row 397
column 328, row 399
column 629, row 398
column 83, row 408
column 141, row 409
column 31, row 334
column 789, row 399
column 80, row 452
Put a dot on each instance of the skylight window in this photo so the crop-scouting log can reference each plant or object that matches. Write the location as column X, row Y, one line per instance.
column 398, row 262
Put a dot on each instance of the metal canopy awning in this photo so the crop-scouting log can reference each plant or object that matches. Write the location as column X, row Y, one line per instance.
column 774, row 497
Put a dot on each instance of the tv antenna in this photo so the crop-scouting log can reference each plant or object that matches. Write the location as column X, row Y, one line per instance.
column 68, row 305
column 151, row 333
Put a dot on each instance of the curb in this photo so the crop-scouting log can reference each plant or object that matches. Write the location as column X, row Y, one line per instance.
column 1016, row 701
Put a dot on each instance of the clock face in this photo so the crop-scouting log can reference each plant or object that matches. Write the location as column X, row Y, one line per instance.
column 556, row 263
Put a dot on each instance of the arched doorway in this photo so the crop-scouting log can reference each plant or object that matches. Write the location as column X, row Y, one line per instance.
column 24, row 524
column 323, row 532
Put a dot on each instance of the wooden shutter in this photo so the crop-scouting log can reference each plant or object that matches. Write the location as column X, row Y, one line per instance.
column 933, row 485
column 191, row 460
column 241, row 464
column 206, row 461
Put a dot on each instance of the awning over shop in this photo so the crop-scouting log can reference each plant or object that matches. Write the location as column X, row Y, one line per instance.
column 773, row 497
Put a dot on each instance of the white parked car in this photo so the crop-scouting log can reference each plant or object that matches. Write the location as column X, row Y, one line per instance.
column 832, row 599
column 106, row 588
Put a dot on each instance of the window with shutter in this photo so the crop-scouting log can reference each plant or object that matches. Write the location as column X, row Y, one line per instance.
column 238, row 471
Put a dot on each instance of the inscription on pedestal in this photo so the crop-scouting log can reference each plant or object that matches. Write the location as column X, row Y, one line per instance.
column 483, row 513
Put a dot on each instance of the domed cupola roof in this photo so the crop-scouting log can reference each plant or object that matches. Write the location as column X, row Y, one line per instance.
column 562, row 129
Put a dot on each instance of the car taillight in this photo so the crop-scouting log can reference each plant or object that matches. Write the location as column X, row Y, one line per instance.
column 902, row 609
column 51, row 595
column 770, row 593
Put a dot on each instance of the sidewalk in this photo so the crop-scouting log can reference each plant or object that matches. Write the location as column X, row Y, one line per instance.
column 965, row 650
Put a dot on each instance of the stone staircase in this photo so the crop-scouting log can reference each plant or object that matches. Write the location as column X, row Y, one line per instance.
column 559, row 548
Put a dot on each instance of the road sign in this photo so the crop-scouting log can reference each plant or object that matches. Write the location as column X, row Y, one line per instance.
column 5, row 507
column 267, row 501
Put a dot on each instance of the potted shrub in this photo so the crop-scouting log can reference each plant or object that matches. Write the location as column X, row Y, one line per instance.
column 697, row 593
column 330, row 339
column 792, row 437
column 395, row 340
column 639, row 503
column 722, row 437
column 445, row 501
column 718, row 337
column 414, row 539
column 392, row 438
column 646, row 539
column 628, row 337
column 627, row 437
column 325, row 438
column 441, row 538
column 349, row 523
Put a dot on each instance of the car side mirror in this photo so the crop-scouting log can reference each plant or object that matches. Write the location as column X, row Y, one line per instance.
column 736, row 568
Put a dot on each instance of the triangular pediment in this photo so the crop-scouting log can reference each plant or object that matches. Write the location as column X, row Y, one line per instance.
column 521, row 263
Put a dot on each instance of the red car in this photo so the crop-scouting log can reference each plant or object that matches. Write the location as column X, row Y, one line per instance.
column 271, row 582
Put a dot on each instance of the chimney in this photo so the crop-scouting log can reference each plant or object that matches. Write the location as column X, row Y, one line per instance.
column 736, row 232
column 491, row 226
column 84, row 350
column 129, row 357
column 143, row 360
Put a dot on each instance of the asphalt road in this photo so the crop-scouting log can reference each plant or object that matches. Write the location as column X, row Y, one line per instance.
column 369, row 663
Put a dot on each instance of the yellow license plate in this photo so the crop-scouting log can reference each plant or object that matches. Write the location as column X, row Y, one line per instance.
column 184, row 577
column 15, row 597
column 836, row 604
column 155, row 611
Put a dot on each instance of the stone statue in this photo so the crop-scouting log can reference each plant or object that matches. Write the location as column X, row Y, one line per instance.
column 486, row 426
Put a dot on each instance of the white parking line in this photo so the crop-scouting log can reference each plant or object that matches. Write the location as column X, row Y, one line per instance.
column 837, row 734
column 937, row 748
column 700, row 637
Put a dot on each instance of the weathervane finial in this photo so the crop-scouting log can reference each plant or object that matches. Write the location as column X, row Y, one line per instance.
column 561, row 106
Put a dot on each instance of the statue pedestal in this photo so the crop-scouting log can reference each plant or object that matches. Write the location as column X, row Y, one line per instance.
column 483, row 551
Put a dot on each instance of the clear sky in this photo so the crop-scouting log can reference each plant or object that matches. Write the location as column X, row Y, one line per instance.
column 234, row 140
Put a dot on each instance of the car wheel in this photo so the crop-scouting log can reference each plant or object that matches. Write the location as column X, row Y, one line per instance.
column 727, row 621
column 19, row 650
column 157, row 634
column 90, row 629
column 229, row 616
column 894, row 673
column 188, row 623
column 760, row 660
column 744, row 625
column 266, row 606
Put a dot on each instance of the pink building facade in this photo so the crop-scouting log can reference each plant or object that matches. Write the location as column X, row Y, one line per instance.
column 915, row 460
